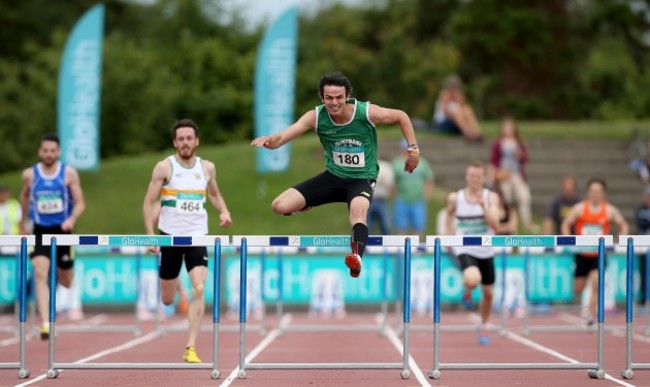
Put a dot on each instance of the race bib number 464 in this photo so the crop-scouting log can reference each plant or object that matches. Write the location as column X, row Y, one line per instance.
column 189, row 203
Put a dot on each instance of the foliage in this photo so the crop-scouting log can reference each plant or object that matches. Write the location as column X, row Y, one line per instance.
column 168, row 59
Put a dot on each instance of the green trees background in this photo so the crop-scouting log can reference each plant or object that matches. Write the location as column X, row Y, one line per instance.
column 163, row 60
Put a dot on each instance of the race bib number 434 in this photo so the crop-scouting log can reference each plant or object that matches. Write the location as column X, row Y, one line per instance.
column 49, row 205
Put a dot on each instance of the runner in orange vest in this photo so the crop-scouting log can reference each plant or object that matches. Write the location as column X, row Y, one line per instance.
column 592, row 216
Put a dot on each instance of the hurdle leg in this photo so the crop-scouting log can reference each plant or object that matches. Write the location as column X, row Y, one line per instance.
column 647, row 293
column 52, row 373
column 23, row 372
column 627, row 373
column 216, row 302
column 435, row 371
column 406, row 372
column 526, row 291
column 138, row 291
column 504, row 310
column 279, row 306
column 241, row 374
column 384, row 294
column 599, row 372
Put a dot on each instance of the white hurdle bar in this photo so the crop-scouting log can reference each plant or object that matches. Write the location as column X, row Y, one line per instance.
column 217, row 241
column 595, row 370
column 322, row 241
column 631, row 241
column 23, row 241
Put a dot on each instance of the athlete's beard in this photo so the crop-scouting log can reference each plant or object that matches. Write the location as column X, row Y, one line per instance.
column 185, row 153
column 48, row 162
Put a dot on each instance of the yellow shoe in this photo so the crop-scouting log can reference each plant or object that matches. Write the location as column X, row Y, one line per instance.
column 45, row 331
column 190, row 355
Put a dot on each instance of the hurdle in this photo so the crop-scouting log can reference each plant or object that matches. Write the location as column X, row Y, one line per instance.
column 53, row 240
column 631, row 241
column 595, row 370
column 321, row 241
column 370, row 250
column 23, row 242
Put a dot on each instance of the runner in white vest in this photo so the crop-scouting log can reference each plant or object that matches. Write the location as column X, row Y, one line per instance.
column 474, row 210
column 184, row 182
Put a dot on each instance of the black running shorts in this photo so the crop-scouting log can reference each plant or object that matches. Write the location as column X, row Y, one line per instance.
column 485, row 267
column 64, row 257
column 328, row 188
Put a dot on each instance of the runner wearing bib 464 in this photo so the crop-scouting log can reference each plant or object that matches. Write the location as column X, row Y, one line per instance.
column 53, row 198
column 346, row 129
column 183, row 182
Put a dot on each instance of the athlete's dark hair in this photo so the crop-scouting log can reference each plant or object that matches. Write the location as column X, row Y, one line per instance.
column 336, row 78
column 185, row 123
column 51, row 137
column 597, row 180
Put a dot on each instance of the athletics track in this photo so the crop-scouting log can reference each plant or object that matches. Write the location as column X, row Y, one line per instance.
column 368, row 346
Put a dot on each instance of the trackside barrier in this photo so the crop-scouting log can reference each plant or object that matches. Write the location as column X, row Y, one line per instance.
column 632, row 241
column 595, row 370
column 376, row 250
column 136, row 241
column 23, row 241
column 16, row 252
column 322, row 241
column 136, row 328
column 558, row 328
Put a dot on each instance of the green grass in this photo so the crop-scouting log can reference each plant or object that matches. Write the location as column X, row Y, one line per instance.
column 115, row 193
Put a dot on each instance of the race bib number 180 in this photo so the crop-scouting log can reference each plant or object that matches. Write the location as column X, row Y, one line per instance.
column 350, row 160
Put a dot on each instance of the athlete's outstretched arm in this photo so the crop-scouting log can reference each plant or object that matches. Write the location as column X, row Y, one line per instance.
column 215, row 196
column 385, row 116
column 160, row 174
column 28, row 177
column 79, row 204
column 274, row 141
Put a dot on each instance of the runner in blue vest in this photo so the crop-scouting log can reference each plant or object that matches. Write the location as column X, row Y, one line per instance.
column 53, row 198
column 346, row 129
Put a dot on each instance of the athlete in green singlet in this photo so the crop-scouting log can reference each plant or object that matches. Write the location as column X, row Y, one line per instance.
column 346, row 128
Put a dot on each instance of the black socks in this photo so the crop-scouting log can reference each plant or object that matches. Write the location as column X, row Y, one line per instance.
column 360, row 237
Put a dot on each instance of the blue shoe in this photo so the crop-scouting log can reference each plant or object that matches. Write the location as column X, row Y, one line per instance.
column 467, row 299
column 483, row 338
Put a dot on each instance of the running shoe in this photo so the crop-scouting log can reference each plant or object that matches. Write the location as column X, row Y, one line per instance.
column 483, row 338
column 190, row 355
column 45, row 331
column 467, row 299
column 353, row 261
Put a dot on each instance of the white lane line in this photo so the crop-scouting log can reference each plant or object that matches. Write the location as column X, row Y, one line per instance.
column 413, row 365
column 9, row 341
column 258, row 349
column 129, row 344
column 549, row 351
column 618, row 331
